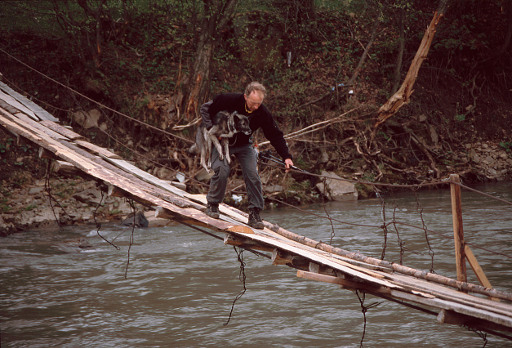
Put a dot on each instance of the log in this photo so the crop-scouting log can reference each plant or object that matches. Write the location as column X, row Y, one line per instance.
column 458, row 232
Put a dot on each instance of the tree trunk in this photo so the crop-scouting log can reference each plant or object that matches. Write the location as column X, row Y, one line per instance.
column 364, row 55
column 402, row 96
column 401, row 48
column 216, row 15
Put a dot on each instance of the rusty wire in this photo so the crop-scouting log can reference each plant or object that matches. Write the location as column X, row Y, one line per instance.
column 242, row 277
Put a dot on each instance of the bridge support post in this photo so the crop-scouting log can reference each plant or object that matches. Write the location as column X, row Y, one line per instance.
column 458, row 232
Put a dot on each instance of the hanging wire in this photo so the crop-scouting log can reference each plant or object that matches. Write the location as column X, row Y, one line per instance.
column 398, row 238
column 48, row 190
column 431, row 252
column 242, row 277
column 98, row 224
column 95, row 101
column 384, row 227
column 364, row 309
column 132, row 205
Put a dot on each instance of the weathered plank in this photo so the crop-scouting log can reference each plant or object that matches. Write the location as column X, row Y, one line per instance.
column 128, row 167
column 13, row 102
column 68, row 133
column 39, row 111
column 38, row 126
column 100, row 151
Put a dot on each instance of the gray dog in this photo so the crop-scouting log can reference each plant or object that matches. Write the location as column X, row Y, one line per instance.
column 225, row 126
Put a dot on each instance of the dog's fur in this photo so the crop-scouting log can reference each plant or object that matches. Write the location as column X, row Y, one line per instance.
column 225, row 126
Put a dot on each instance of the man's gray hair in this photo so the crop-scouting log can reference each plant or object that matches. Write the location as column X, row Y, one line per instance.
column 255, row 86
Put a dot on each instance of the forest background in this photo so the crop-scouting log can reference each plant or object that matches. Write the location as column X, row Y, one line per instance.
column 140, row 70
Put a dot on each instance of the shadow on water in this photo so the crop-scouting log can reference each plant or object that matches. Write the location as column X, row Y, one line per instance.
column 181, row 283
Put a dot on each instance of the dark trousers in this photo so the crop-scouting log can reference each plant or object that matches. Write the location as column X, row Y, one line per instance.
column 248, row 161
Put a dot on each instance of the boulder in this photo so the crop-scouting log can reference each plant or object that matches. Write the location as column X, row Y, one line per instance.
column 87, row 119
column 337, row 189
column 139, row 220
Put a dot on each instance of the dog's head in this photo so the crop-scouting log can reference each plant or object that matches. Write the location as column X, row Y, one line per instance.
column 241, row 123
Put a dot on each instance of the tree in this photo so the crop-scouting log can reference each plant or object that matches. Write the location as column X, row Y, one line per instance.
column 216, row 15
column 402, row 96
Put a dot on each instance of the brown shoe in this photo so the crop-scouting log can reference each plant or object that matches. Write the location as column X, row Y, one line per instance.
column 254, row 219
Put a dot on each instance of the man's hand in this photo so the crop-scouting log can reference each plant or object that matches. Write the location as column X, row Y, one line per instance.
column 288, row 163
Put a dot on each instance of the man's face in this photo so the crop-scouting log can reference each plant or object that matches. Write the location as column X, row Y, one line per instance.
column 254, row 100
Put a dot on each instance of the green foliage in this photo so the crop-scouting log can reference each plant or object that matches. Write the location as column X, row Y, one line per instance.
column 30, row 207
column 5, row 146
column 4, row 206
column 460, row 117
column 507, row 145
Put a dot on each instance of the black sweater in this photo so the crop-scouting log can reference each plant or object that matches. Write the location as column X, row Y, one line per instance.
column 261, row 118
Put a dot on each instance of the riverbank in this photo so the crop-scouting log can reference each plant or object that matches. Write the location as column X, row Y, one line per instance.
column 71, row 201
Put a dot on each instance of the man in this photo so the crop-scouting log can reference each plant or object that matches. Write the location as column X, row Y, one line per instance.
column 250, row 104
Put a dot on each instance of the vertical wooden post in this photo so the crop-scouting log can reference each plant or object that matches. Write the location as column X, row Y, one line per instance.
column 458, row 233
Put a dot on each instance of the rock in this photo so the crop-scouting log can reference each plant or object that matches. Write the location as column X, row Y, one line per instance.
column 90, row 196
column 6, row 228
column 164, row 173
column 337, row 189
column 324, row 157
column 34, row 190
column 140, row 220
column 87, row 119
column 273, row 188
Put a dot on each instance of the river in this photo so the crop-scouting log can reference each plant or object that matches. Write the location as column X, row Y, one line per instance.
column 180, row 283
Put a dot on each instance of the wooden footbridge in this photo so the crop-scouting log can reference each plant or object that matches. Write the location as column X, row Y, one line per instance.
column 452, row 301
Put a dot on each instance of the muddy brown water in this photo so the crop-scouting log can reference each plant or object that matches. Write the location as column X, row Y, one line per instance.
column 181, row 283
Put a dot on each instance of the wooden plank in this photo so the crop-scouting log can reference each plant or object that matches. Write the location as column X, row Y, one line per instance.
column 483, row 314
column 13, row 102
column 317, row 257
column 475, row 266
column 449, row 294
column 100, row 151
column 68, row 133
column 145, row 176
column 38, row 126
column 450, row 317
column 504, row 322
column 223, row 208
column 39, row 111
column 8, row 107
